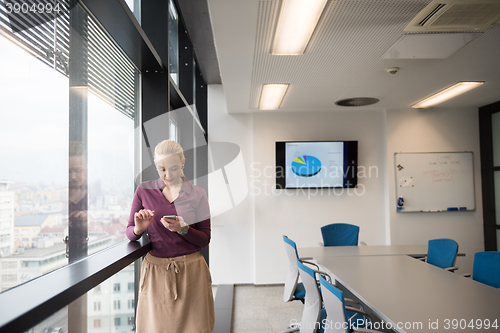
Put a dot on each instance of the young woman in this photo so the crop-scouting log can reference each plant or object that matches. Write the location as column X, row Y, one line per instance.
column 176, row 288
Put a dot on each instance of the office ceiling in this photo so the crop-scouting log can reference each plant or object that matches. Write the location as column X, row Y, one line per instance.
column 344, row 58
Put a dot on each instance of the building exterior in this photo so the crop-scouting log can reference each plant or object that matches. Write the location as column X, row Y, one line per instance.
column 111, row 304
column 20, row 267
column 27, row 228
column 6, row 219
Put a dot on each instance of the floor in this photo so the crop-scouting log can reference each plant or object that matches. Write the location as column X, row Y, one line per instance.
column 261, row 309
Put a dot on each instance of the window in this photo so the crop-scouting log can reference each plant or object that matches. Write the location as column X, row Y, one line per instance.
column 30, row 263
column 5, row 238
column 97, row 306
column 173, row 130
column 173, row 42
column 116, row 287
column 130, row 286
column 130, row 320
column 9, row 277
column 117, row 321
column 116, row 304
column 9, row 264
column 131, row 303
column 5, row 250
column 36, row 84
column 97, row 322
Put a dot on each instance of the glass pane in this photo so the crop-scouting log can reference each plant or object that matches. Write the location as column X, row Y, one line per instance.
column 497, row 196
column 58, row 322
column 110, row 172
column 173, row 41
column 495, row 124
column 107, row 308
column 33, row 190
column 70, row 152
column 111, row 304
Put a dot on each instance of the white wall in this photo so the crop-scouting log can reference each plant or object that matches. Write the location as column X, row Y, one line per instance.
column 247, row 245
column 436, row 130
column 300, row 214
column 232, row 247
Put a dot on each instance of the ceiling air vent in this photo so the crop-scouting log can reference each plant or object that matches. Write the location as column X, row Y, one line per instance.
column 457, row 15
column 357, row 101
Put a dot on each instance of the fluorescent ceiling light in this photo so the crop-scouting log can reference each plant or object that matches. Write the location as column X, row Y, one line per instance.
column 296, row 24
column 272, row 96
column 446, row 94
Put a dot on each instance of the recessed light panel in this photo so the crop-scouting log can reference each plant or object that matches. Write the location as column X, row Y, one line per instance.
column 446, row 94
column 296, row 24
column 272, row 96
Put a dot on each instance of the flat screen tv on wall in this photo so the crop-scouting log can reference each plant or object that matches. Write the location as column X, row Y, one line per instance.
column 316, row 164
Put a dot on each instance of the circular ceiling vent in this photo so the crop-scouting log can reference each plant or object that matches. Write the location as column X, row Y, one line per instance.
column 357, row 101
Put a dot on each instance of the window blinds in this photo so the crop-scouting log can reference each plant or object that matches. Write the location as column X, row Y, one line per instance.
column 45, row 34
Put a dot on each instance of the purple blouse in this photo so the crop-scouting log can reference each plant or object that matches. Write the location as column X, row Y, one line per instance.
column 191, row 204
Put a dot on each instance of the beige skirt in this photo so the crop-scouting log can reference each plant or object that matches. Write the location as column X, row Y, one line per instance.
column 175, row 295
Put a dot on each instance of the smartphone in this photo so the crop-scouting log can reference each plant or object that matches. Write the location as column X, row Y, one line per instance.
column 173, row 217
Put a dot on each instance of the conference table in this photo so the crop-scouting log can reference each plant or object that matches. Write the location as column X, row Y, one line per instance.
column 372, row 250
column 409, row 295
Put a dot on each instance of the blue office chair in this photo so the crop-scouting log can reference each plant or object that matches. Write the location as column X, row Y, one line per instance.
column 442, row 253
column 313, row 313
column 340, row 234
column 293, row 289
column 339, row 316
column 487, row 268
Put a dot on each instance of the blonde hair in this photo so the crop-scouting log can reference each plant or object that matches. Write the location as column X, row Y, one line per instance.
column 169, row 147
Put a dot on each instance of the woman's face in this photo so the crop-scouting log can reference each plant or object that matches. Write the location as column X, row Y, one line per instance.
column 169, row 168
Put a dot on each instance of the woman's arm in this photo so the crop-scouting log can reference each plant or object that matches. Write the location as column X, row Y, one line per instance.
column 199, row 233
column 136, row 206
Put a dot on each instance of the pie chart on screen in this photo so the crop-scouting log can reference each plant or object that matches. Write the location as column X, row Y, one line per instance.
column 306, row 166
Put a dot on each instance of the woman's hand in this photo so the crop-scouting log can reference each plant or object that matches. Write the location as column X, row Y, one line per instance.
column 174, row 225
column 143, row 220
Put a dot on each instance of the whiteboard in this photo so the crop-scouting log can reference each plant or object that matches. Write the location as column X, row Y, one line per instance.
column 432, row 182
